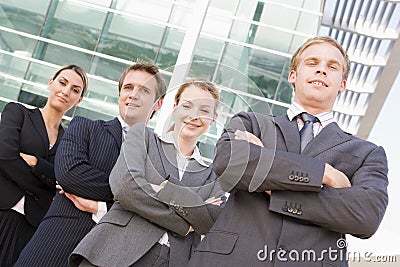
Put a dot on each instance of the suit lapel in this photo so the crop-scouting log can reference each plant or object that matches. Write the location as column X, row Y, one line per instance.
column 194, row 175
column 40, row 127
column 168, row 159
column 290, row 132
column 115, row 129
column 329, row 137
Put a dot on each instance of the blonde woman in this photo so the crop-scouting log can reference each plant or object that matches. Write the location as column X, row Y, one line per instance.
column 166, row 196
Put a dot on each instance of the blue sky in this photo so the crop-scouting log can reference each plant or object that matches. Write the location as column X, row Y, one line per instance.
column 386, row 133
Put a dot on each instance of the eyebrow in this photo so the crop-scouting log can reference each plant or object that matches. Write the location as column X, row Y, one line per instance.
column 133, row 84
column 203, row 105
column 75, row 85
column 331, row 61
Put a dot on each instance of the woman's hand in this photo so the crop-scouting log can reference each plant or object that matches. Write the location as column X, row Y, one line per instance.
column 29, row 159
column 214, row 201
column 80, row 203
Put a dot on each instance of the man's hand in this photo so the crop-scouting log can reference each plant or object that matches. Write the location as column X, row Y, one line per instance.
column 80, row 203
column 335, row 178
column 249, row 137
column 29, row 159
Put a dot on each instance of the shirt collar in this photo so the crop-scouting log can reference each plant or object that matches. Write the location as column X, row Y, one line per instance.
column 324, row 118
column 169, row 138
column 123, row 123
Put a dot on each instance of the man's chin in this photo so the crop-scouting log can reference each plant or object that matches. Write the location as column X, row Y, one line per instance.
column 131, row 120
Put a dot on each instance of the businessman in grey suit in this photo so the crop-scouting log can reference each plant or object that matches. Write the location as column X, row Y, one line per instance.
column 298, row 183
column 87, row 154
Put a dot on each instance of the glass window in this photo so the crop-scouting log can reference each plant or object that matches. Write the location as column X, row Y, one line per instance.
column 108, row 69
column 169, row 51
column 264, row 69
column 74, row 24
column 103, row 3
column 62, row 56
column 13, row 66
column 227, row 6
column 40, row 74
column 25, row 16
column 151, row 9
column 206, row 55
column 10, row 88
column 181, row 16
column 17, row 44
column 130, row 39
column 224, row 25
column 285, row 91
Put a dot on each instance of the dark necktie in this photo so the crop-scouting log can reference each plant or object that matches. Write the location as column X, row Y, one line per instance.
column 124, row 132
column 307, row 132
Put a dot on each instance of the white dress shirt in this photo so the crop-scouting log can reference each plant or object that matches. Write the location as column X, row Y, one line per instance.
column 183, row 162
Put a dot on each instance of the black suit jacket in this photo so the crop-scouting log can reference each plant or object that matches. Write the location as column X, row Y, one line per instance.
column 300, row 222
column 23, row 130
column 86, row 156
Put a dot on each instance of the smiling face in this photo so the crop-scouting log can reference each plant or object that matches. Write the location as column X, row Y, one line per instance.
column 194, row 113
column 318, row 78
column 137, row 97
column 65, row 90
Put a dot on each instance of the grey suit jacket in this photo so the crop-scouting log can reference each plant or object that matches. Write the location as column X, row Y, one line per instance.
column 300, row 222
column 140, row 216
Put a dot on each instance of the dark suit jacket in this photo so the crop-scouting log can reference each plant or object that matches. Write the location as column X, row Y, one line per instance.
column 86, row 155
column 141, row 216
column 299, row 218
column 23, row 130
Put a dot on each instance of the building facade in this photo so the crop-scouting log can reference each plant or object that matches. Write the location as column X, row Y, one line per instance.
column 244, row 46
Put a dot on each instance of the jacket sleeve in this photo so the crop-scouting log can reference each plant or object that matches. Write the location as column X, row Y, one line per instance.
column 357, row 210
column 73, row 167
column 189, row 202
column 11, row 164
column 132, row 190
column 241, row 165
column 44, row 170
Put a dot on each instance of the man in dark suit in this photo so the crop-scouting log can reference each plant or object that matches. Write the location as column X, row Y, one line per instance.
column 292, row 202
column 86, row 156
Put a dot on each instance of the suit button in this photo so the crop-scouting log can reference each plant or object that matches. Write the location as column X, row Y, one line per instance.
column 291, row 177
column 299, row 212
column 306, row 179
column 294, row 211
column 290, row 209
column 296, row 178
